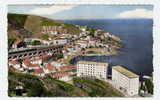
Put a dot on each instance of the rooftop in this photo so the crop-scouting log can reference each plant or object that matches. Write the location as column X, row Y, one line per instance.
column 14, row 62
column 92, row 62
column 28, row 63
column 50, row 67
column 68, row 67
column 12, row 69
column 60, row 74
column 17, row 42
column 125, row 72
column 38, row 71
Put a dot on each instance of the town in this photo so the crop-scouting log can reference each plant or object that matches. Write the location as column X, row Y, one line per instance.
column 51, row 56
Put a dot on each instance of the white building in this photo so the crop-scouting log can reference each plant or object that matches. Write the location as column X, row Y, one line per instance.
column 57, row 64
column 92, row 69
column 92, row 42
column 44, row 41
column 16, row 65
column 28, row 65
column 125, row 81
column 82, row 43
column 48, row 68
column 38, row 72
column 59, row 41
column 16, row 43
column 36, row 60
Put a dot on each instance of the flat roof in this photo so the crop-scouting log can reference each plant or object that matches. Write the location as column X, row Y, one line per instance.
column 125, row 72
column 93, row 62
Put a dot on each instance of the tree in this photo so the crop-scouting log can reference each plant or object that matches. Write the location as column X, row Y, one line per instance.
column 59, row 55
column 36, row 42
column 11, row 41
column 45, row 36
column 149, row 85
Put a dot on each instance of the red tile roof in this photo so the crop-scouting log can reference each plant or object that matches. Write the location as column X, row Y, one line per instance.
column 59, row 38
column 43, row 39
column 93, row 39
column 28, row 63
column 14, row 62
column 37, row 58
column 17, row 42
column 12, row 69
column 44, row 56
column 60, row 74
column 38, row 71
column 67, row 67
column 50, row 67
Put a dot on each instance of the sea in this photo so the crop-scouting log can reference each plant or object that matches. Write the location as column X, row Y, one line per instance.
column 137, row 40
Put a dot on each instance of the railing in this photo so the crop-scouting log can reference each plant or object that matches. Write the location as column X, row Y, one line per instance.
column 34, row 47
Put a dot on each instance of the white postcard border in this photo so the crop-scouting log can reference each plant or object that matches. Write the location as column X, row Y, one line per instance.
column 4, row 51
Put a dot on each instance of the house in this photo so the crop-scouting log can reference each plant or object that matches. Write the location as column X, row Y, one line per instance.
column 71, row 49
column 57, row 64
column 44, row 41
column 64, row 76
column 83, row 34
column 59, row 41
column 82, row 43
column 36, row 60
column 71, row 69
column 67, row 68
column 18, row 44
column 92, row 69
column 92, row 42
column 43, row 56
column 38, row 72
column 28, row 65
column 15, row 64
column 106, row 34
column 125, row 80
column 83, row 28
column 48, row 68
column 55, row 29
column 13, row 69
column 65, row 35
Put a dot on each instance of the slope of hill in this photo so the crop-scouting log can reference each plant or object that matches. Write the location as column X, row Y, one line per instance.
column 34, row 86
column 33, row 23
column 21, row 26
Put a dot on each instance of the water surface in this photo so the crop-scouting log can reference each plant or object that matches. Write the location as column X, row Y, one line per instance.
column 136, row 35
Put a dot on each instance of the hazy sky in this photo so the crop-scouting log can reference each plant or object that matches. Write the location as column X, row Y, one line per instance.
column 68, row 12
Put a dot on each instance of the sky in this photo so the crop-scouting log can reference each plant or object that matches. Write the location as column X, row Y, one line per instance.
column 72, row 12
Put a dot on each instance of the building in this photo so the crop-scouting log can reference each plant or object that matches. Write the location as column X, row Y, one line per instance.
column 57, row 64
column 53, row 29
column 36, row 60
column 92, row 69
column 82, row 43
column 59, row 41
column 41, row 40
column 125, row 80
column 48, row 68
column 18, row 44
column 28, row 65
column 16, row 65
column 64, row 76
column 38, row 72
column 92, row 42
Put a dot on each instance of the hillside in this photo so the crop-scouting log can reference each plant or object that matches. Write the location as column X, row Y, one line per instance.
column 22, row 26
column 34, row 86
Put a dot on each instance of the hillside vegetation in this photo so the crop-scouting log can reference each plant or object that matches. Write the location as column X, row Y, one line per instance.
column 34, row 86
column 22, row 26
